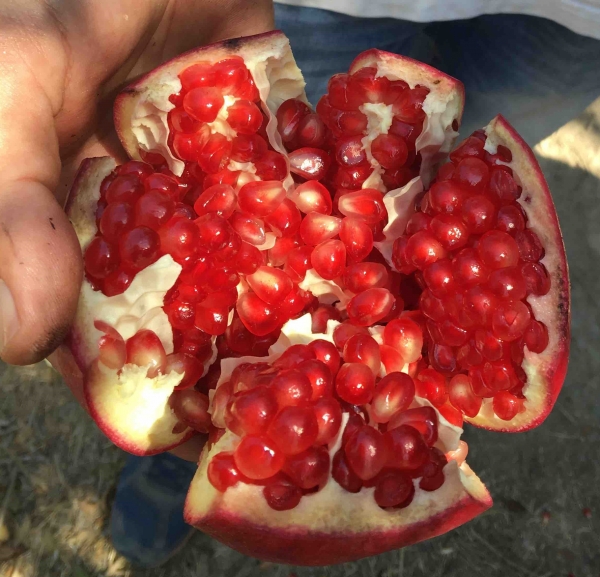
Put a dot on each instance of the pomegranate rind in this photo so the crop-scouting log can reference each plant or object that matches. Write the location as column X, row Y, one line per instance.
column 545, row 371
column 443, row 106
column 140, row 111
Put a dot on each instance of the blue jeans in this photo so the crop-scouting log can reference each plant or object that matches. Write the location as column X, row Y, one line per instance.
column 535, row 72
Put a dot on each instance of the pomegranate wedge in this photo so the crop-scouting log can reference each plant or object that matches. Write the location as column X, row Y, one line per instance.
column 319, row 291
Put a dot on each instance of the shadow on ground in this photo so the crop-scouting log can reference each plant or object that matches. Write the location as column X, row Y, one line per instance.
column 57, row 471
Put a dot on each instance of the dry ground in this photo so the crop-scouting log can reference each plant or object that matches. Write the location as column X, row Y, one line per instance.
column 57, row 472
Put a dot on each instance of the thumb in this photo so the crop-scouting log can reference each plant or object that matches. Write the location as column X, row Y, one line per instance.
column 40, row 272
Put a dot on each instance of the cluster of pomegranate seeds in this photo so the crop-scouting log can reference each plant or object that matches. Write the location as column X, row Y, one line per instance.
column 286, row 413
column 470, row 249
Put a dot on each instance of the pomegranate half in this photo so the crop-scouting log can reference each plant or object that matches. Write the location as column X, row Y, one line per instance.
column 318, row 292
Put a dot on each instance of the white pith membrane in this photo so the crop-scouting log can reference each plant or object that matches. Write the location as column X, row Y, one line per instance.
column 142, row 403
column 332, row 509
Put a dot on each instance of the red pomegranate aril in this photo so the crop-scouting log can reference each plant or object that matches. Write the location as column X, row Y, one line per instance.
column 185, row 365
column 406, row 448
column 510, row 320
column 343, row 474
column 282, row 495
column 214, row 232
column 244, row 117
column 366, row 204
column 139, row 247
column 312, row 196
column 348, row 122
column 530, row 247
column 285, row 220
column 294, row 429
column 250, row 229
column 392, row 360
column 203, row 103
column 260, row 198
column 451, row 334
column 309, row 469
column 370, row 306
column 272, row 285
column 472, row 173
column 212, row 314
column 508, row 283
column 419, row 221
column 112, row 351
column 357, row 237
column 294, row 355
column 423, row 249
column 163, row 183
column 145, row 349
column 439, row 279
column 180, row 121
column 470, row 147
column 153, row 209
column 215, row 153
column 365, row 86
column 389, row 150
column 189, row 146
column 298, row 263
column 446, row 197
column 442, row 358
column 222, row 472
column 248, row 259
column 198, row 74
column 536, row 278
column 431, row 385
column 408, row 107
column 506, row 405
column 217, row 199
column 230, row 74
column 536, row 337
column 491, row 348
column 468, row 268
column 349, row 151
column 433, row 482
column 272, row 166
column 431, row 306
column 498, row 249
column 351, row 178
column 125, row 188
column 329, row 419
column 248, row 147
column 423, row 419
column 450, row 230
column 366, row 452
column 479, row 213
column 135, row 167
column 393, row 394
column 320, row 377
column 309, row 163
column 510, row 219
column 327, row 353
column 499, row 375
column 289, row 115
column 363, row 349
column 116, row 219
column 291, row 388
column 258, row 317
column 321, row 316
column 254, row 410
column 394, row 489
column 364, row 275
column 101, row 258
column 329, row 259
column 317, row 228
column 311, row 131
column 191, row 408
column 406, row 336
column 355, row 383
column 257, row 457
column 462, row 397
column 503, row 186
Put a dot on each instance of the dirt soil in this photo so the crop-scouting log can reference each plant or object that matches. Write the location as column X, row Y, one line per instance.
column 57, row 472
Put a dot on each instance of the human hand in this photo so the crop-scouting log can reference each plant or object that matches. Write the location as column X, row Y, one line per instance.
column 62, row 64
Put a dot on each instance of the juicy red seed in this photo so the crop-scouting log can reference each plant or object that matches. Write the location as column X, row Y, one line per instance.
column 214, row 232
column 406, row 448
column 357, row 237
column 294, row 429
column 530, row 247
column 317, row 228
column 370, row 306
column 125, row 188
column 366, row 204
column 499, row 375
column 423, row 419
column 309, row 163
column 270, row 284
column 215, row 153
column 393, row 394
column 366, row 452
column 203, row 103
column 508, row 283
column 112, row 351
column 289, row 115
column 392, row 360
column 462, row 397
column 468, row 268
column 446, row 197
column 222, row 472
column 244, row 117
column 181, row 121
column 343, row 474
column 291, row 388
column 248, row 259
column 218, row 199
column 254, row 410
column 418, row 221
column 282, row 495
column 327, row 353
column 116, row 219
column 258, row 317
column 431, row 385
column 250, row 229
column 394, row 489
column 498, row 249
column 389, row 150
column 272, row 166
column 189, row 146
column 503, row 186
column 190, row 367
column 510, row 320
column 408, row 106
column 349, row 151
column 101, row 258
column 230, row 74
column 472, row 173
column 311, row 131
column 491, row 348
column 191, row 408
column 363, row 349
column 145, row 349
column 319, row 376
column 260, row 198
column 450, row 230
column 258, row 458
column 329, row 419
column 536, row 277
column 298, row 263
column 479, row 213
column 286, row 219
column 329, row 259
column 510, row 219
column 351, row 178
column 479, row 305
column 139, row 247
column 506, row 405
column 248, row 147
column 406, row 336
column 355, row 383
column 344, row 331
column 309, row 469
column 212, row 314
column 312, row 196
column 364, row 275
column 198, row 74
column 536, row 337
column 423, row 248
column 439, row 278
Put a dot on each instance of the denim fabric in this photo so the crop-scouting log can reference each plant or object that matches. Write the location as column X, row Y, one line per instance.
column 535, row 72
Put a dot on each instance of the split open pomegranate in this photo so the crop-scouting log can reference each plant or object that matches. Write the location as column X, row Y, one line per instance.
column 319, row 291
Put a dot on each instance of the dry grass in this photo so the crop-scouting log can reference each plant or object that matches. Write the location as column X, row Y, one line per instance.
column 57, row 471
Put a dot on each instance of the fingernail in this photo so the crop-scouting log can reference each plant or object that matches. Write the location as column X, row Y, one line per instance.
column 9, row 322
